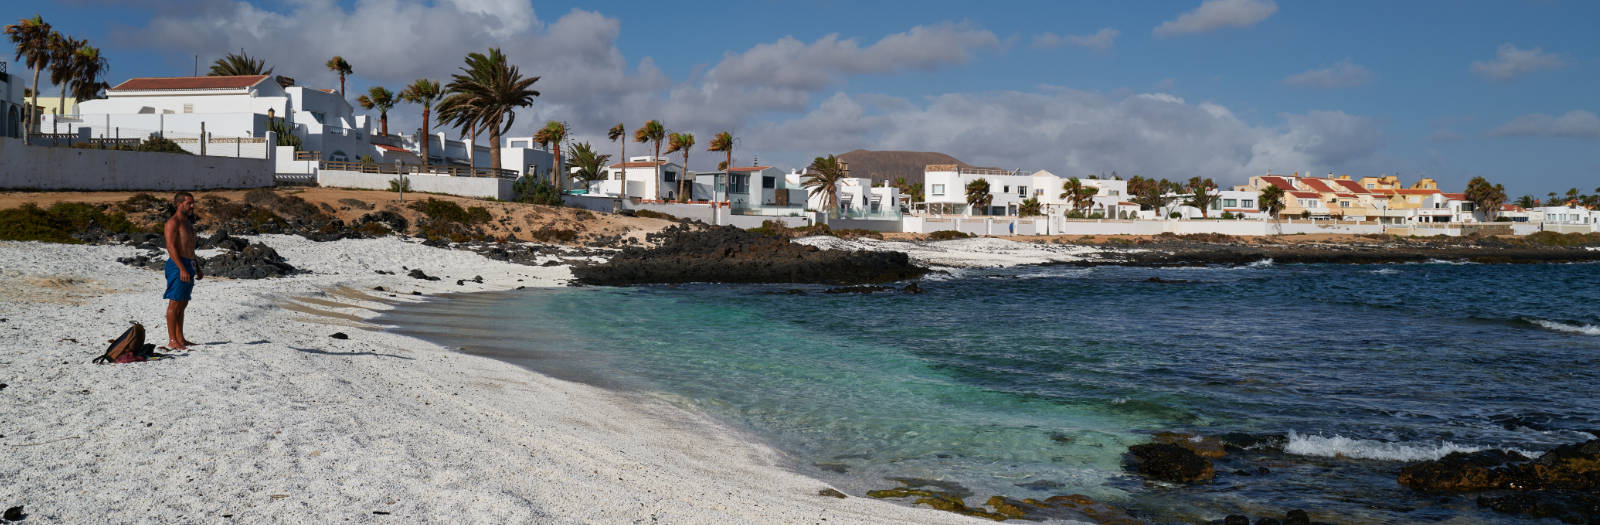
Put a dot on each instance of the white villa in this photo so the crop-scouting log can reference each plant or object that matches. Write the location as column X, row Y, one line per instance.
column 945, row 189
column 11, row 103
column 642, row 181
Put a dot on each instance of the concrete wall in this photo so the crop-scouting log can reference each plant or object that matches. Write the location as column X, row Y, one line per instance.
column 249, row 148
column 700, row 212
column 866, row 224
column 45, row 168
column 482, row 187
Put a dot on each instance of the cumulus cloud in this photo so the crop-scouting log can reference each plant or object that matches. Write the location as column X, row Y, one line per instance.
column 1574, row 124
column 1076, row 132
column 1511, row 61
column 1099, row 41
column 790, row 63
column 1343, row 74
column 1217, row 14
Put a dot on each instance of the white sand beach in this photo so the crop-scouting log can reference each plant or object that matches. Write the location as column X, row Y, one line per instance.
column 270, row 420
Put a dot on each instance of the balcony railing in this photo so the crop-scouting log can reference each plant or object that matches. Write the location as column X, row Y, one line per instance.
column 390, row 168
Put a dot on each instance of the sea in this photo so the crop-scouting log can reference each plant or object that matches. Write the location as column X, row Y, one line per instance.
column 1033, row 381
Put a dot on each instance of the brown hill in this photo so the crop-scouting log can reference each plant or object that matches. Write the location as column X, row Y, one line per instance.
column 888, row 165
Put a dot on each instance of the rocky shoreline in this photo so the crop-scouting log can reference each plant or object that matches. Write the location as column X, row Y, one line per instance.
column 1203, row 253
column 728, row 254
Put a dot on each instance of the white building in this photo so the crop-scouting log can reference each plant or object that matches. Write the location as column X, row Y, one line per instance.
column 226, row 106
column 945, row 189
column 11, row 103
column 642, row 180
column 858, row 199
column 1236, row 203
column 755, row 190
column 1568, row 215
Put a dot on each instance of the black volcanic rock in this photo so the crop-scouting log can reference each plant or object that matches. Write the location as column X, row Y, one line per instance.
column 728, row 254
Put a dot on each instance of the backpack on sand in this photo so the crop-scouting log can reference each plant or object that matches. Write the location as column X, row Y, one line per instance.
column 129, row 348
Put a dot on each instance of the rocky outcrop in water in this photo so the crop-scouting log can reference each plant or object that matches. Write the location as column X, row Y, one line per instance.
column 1563, row 483
column 1170, row 462
column 728, row 254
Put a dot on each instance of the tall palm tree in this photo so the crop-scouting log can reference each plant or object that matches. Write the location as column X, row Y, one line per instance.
column 338, row 65
column 1270, row 200
column 1485, row 196
column 590, row 164
column 240, row 64
column 484, row 96
column 89, row 69
column 619, row 133
column 682, row 142
column 421, row 91
column 652, row 131
column 1527, row 201
column 822, row 179
column 382, row 99
column 552, row 135
column 1201, row 194
column 722, row 142
column 1077, row 194
column 978, row 196
column 62, row 51
column 32, row 38
column 1029, row 207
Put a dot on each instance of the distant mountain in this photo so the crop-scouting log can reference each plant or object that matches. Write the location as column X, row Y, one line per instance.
column 883, row 166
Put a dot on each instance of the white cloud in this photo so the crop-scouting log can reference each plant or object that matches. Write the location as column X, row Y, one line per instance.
column 1099, row 41
column 1511, row 61
column 790, row 63
column 1575, row 124
column 1343, row 74
column 1077, row 132
column 1217, row 14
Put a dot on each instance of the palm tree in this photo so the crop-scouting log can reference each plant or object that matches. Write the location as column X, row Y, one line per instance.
column 1202, row 197
column 1079, row 195
column 722, row 142
column 978, row 196
column 1526, row 201
column 1485, row 197
column 62, row 50
column 240, row 64
column 32, row 38
column 682, row 142
column 591, row 165
column 1150, row 192
column 382, row 99
column 484, row 96
column 652, row 131
column 552, row 135
column 1029, row 207
column 89, row 69
column 338, row 65
column 822, row 179
column 619, row 133
column 421, row 91
column 1270, row 200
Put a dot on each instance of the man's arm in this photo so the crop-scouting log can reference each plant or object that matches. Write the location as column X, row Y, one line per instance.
column 172, row 233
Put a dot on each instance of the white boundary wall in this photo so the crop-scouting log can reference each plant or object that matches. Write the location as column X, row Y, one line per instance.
column 46, row 168
column 482, row 187
column 699, row 212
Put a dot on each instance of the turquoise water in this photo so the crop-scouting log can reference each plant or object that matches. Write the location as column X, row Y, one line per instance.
column 1033, row 381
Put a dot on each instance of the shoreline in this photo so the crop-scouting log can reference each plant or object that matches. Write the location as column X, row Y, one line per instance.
column 272, row 420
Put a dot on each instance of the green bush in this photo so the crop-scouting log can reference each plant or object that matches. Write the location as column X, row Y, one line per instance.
column 535, row 191
column 159, row 144
column 57, row 223
column 1174, row 215
column 945, row 235
column 658, row 215
column 397, row 184
column 1227, row 216
column 552, row 235
column 442, row 211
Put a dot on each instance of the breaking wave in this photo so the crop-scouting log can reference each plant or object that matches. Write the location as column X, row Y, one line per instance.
column 1337, row 446
column 1571, row 328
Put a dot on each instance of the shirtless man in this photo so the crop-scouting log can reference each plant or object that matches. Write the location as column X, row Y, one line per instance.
column 182, row 271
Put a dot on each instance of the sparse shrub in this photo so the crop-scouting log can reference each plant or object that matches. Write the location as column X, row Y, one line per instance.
column 59, row 222
column 945, row 235
column 583, row 215
column 446, row 211
column 1174, row 215
column 356, row 203
column 655, row 215
column 552, row 235
column 398, row 185
column 373, row 229
column 1227, row 216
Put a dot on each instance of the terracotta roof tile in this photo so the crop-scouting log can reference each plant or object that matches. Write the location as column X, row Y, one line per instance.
column 1455, row 196
column 185, row 83
column 1279, row 182
column 1306, row 194
column 1351, row 185
column 1317, row 185
column 387, row 147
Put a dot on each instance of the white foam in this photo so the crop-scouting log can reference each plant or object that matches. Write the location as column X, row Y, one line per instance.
column 1264, row 263
column 1338, row 446
column 1385, row 271
column 1584, row 329
column 976, row 252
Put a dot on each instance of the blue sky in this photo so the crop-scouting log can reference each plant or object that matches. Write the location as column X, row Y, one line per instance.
column 1220, row 88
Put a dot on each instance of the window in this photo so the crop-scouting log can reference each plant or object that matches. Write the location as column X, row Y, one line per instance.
column 519, row 143
column 1247, row 203
column 1005, row 189
column 1344, row 204
column 938, row 189
column 769, row 182
column 1413, row 199
column 739, row 184
column 1113, row 193
column 1371, row 185
column 1231, row 203
column 1216, row 205
column 1022, row 191
column 188, row 108
column 669, row 176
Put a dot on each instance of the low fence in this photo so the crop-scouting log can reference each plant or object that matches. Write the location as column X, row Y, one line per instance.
column 28, row 167
column 703, row 212
column 978, row 225
column 239, row 147
column 481, row 187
